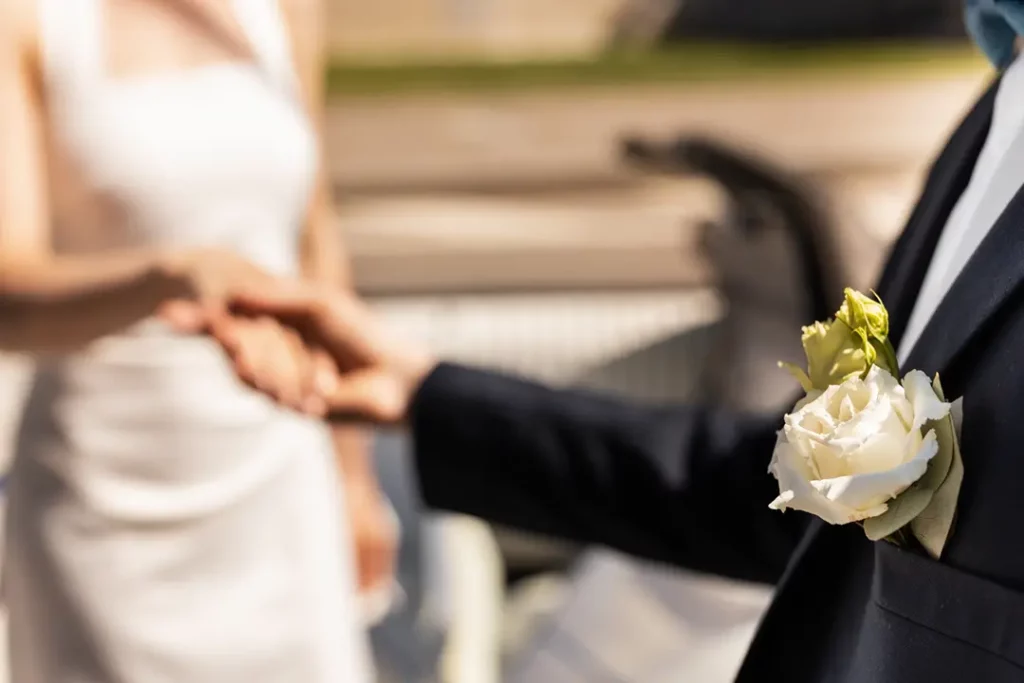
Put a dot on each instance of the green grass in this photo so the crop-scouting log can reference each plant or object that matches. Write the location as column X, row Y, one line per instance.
column 693, row 63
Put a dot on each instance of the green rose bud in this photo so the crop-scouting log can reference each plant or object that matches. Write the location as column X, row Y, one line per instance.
column 868, row 318
column 860, row 312
column 835, row 353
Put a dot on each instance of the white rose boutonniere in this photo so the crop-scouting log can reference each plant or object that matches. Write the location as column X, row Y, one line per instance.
column 863, row 446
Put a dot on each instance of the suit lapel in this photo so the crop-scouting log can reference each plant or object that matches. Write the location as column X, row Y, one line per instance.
column 991, row 276
column 908, row 262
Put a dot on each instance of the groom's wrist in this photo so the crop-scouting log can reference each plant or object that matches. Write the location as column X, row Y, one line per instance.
column 411, row 370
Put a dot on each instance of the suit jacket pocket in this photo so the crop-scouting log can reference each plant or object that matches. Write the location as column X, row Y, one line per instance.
column 944, row 599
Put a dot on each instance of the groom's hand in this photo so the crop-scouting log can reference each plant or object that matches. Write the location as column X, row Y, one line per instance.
column 376, row 374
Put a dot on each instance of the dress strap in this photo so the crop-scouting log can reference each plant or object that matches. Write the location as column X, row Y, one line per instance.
column 265, row 27
column 70, row 42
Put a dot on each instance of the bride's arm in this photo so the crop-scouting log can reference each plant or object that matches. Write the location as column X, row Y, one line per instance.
column 325, row 261
column 51, row 303
column 324, row 258
column 47, row 301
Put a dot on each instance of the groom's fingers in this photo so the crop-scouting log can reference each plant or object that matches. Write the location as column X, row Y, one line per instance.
column 321, row 382
column 288, row 364
column 287, row 300
column 247, row 351
column 226, row 330
column 325, row 374
column 186, row 317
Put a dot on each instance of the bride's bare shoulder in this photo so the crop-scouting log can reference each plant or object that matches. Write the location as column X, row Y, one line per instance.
column 19, row 25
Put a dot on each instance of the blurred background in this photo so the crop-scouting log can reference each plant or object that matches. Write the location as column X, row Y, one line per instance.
column 641, row 196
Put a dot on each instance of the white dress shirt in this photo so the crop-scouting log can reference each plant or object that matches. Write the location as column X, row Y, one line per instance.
column 998, row 174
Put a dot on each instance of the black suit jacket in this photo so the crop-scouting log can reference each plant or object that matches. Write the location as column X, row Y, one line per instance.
column 690, row 486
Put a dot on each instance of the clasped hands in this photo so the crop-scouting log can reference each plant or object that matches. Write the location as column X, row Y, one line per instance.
column 318, row 351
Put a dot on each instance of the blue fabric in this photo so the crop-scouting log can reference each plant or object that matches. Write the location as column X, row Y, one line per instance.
column 995, row 25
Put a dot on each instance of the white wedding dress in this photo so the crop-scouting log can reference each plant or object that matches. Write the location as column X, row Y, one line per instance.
column 165, row 524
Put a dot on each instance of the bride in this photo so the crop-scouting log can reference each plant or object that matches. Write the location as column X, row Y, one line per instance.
column 165, row 523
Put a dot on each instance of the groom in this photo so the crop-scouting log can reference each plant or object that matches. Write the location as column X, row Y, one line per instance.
column 689, row 486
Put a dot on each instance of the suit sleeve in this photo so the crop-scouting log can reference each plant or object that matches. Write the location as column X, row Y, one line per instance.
column 683, row 485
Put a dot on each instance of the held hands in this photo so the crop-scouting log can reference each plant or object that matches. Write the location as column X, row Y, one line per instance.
column 266, row 353
column 273, row 358
column 362, row 374
column 321, row 352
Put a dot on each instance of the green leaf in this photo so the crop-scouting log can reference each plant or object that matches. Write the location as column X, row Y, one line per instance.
column 902, row 510
column 918, row 497
column 934, row 525
column 800, row 376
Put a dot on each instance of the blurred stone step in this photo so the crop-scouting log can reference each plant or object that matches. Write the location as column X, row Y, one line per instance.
column 457, row 139
column 470, row 243
column 642, row 236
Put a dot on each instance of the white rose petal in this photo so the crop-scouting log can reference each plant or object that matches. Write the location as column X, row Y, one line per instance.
column 797, row 493
column 926, row 404
column 869, row 491
column 844, row 453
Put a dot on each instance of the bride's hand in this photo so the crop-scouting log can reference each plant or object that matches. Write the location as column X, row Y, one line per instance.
column 375, row 533
column 211, row 274
column 199, row 280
